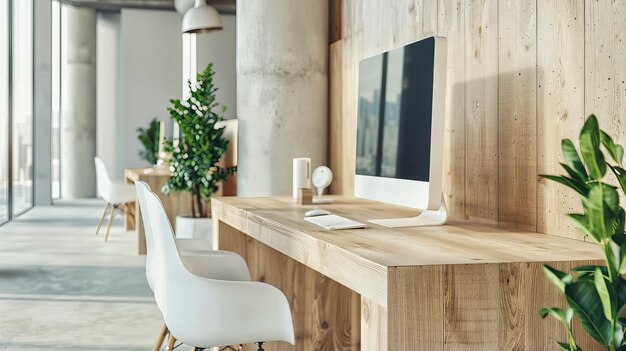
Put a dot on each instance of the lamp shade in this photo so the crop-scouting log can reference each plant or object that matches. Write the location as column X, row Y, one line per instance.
column 201, row 18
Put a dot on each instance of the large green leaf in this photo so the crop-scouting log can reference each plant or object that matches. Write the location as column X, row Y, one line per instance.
column 572, row 159
column 603, row 292
column 585, row 301
column 616, row 151
column 601, row 207
column 579, row 186
column 590, row 148
column 558, row 278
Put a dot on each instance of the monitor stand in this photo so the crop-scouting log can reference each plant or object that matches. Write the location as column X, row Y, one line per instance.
column 426, row 218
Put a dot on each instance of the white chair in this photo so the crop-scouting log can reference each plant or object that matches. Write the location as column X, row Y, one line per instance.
column 204, row 312
column 209, row 264
column 114, row 193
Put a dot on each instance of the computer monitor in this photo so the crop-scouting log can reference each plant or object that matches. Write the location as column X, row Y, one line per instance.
column 400, row 127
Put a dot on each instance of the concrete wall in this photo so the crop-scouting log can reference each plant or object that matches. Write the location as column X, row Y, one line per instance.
column 109, row 122
column 150, row 73
column 220, row 48
column 282, row 91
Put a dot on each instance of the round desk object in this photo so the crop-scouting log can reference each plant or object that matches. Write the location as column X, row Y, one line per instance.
column 321, row 179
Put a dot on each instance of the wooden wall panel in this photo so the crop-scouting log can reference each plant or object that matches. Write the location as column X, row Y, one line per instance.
column 560, row 106
column 481, row 111
column 605, row 66
column 452, row 25
column 517, row 114
column 522, row 75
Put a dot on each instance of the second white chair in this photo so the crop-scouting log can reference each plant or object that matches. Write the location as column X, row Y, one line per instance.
column 114, row 193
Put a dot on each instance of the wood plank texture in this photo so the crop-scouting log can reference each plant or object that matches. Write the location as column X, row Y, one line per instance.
column 481, row 116
column 522, row 75
column 560, row 106
column 517, row 117
column 452, row 26
column 416, row 299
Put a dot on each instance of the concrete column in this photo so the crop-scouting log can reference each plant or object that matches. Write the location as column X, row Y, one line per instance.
column 282, row 88
column 42, row 101
column 78, row 119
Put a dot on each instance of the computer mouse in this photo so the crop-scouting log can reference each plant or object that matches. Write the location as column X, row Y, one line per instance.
column 315, row 213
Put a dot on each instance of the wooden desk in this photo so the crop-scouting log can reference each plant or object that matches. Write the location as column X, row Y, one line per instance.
column 453, row 287
column 174, row 204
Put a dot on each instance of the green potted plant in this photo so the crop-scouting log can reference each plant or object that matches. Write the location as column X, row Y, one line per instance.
column 595, row 295
column 195, row 155
column 150, row 139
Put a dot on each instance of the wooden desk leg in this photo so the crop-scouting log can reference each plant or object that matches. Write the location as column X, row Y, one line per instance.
column 373, row 326
column 129, row 215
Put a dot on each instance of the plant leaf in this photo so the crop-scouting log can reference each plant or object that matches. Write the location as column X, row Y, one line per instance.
column 579, row 186
column 558, row 278
column 572, row 159
column 620, row 174
column 582, row 222
column 590, row 148
column 616, row 151
column 603, row 292
column 585, row 301
column 601, row 207
column 567, row 347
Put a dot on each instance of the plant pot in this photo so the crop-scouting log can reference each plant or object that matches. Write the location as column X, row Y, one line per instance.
column 193, row 228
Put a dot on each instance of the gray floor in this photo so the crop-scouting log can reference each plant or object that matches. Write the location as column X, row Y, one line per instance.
column 63, row 288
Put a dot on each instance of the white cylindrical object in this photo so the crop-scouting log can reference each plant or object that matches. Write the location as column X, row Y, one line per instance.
column 301, row 174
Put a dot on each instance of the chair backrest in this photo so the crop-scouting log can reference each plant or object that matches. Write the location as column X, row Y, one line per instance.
column 170, row 267
column 103, row 181
column 152, row 268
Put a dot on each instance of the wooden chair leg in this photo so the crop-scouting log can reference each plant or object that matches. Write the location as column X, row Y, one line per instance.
column 162, row 334
column 106, row 237
column 106, row 208
column 171, row 342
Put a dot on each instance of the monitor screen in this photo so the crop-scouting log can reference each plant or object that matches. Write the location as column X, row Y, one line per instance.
column 394, row 113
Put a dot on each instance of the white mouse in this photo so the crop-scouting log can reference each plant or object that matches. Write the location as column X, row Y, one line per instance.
column 315, row 213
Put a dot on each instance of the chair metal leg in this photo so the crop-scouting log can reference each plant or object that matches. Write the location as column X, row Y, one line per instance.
column 106, row 208
column 113, row 208
column 162, row 334
column 171, row 342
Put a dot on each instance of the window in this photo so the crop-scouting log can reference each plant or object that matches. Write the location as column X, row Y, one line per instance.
column 4, row 111
column 22, row 105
